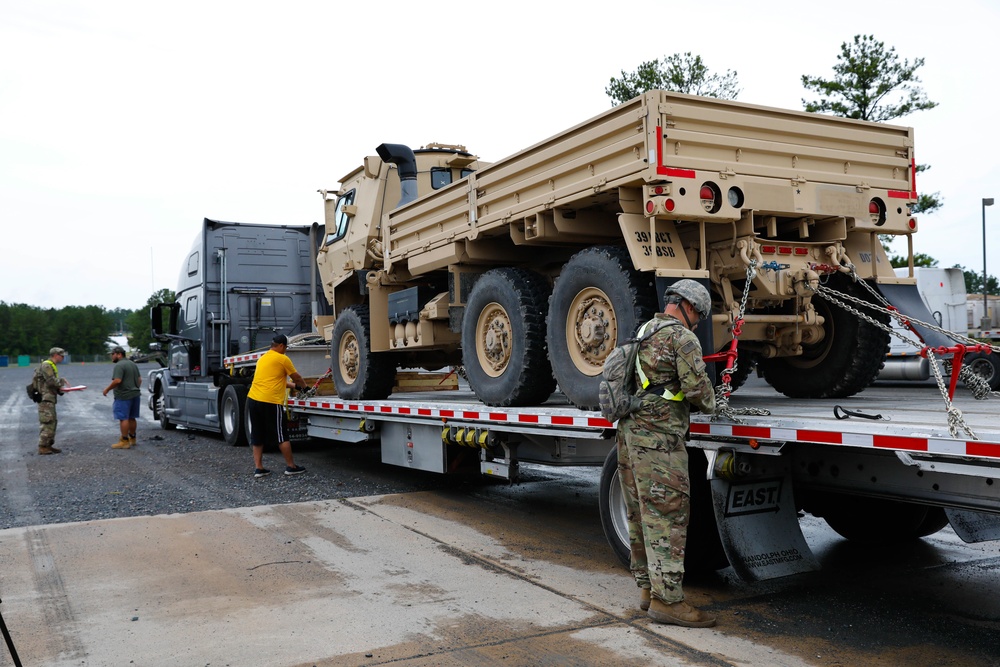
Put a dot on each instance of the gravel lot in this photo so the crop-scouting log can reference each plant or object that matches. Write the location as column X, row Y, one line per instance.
column 168, row 471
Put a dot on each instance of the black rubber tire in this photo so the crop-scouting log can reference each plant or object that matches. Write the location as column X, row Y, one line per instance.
column 161, row 413
column 704, row 551
column 518, row 299
column 986, row 366
column 366, row 375
column 232, row 417
column 878, row 520
column 604, row 274
column 845, row 362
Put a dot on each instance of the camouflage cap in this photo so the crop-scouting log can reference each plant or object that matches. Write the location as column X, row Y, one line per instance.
column 694, row 293
column 57, row 350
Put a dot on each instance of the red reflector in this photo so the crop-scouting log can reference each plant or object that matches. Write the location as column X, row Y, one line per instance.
column 802, row 251
column 650, row 206
column 912, row 224
column 669, row 204
column 784, row 250
column 769, row 249
column 658, row 190
column 707, row 192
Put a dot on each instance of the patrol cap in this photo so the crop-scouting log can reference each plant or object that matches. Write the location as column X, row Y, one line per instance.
column 118, row 349
column 279, row 339
column 694, row 293
column 57, row 350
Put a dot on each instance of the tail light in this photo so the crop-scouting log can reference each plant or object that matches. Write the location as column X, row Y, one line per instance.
column 711, row 197
column 876, row 210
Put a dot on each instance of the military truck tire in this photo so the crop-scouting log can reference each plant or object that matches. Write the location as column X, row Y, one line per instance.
column 878, row 520
column 503, row 338
column 986, row 366
column 599, row 300
column 359, row 373
column 704, row 552
column 161, row 412
column 745, row 363
column 232, row 415
column 846, row 361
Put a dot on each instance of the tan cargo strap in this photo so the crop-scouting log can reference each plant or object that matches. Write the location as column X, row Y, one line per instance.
column 644, row 381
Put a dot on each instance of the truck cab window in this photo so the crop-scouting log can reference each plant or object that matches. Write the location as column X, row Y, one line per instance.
column 342, row 218
column 440, row 177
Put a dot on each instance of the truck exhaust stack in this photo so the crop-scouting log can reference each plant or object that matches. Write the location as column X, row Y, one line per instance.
column 402, row 156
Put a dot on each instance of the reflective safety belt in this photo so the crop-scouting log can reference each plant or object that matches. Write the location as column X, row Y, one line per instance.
column 644, row 381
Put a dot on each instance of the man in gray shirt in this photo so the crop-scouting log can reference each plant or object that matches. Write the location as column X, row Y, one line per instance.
column 125, row 382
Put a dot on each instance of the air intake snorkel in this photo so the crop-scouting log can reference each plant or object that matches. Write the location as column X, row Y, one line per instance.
column 402, row 156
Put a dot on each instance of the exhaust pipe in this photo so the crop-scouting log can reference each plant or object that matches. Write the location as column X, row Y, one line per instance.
column 406, row 163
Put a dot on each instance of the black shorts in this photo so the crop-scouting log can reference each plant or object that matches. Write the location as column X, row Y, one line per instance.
column 268, row 423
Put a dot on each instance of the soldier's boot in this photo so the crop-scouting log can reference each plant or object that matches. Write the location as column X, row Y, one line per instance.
column 131, row 439
column 48, row 449
column 679, row 613
column 122, row 443
column 644, row 599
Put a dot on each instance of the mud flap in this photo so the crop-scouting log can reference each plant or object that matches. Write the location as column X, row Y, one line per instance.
column 909, row 302
column 974, row 526
column 759, row 527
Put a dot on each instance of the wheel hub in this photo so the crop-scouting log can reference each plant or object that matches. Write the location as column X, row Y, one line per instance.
column 592, row 330
column 349, row 358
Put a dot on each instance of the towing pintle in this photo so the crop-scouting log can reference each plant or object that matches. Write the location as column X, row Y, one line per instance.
column 406, row 163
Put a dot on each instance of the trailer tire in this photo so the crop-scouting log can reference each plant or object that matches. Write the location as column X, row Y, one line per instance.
column 703, row 552
column 846, row 361
column 503, row 338
column 232, row 415
column 879, row 520
column 599, row 301
column 359, row 373
column 986, row 366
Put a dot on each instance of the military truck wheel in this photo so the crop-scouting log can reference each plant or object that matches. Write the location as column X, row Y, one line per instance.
column 846, row 361
column 704, row 552
column 359, row 373
column 986, row 366
column 599, row 300
column 503, row 338
column 232, row 409
column 161, row 411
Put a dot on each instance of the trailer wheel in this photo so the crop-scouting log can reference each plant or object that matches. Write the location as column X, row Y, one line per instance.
column 879, row 520
column 232, row 409
column 986, row 366
column 704, row 552
column 359, row 373
column 161, row 410
column 599, row 300
column 503, row 338
column 846, row 361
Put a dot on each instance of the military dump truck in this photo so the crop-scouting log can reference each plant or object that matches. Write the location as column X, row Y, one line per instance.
column 529, row 270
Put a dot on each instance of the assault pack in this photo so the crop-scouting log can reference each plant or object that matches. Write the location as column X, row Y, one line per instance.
column 33, row 393
column 617, row 393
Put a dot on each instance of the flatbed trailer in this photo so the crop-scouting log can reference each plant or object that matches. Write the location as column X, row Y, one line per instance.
column 879, row 466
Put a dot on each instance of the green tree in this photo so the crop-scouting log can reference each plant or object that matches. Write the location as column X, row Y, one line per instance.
column 974, row 282
column 681, row 72
column 871, row 83
column 919, row 259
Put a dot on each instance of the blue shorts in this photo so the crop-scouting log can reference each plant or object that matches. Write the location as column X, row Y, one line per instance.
column 126, row 408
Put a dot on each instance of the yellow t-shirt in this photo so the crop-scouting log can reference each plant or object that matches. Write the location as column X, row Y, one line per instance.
column 269, row 378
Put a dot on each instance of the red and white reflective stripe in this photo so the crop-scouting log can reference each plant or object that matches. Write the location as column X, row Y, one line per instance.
column 243, row 358
column 520, row 417
column 874, row 441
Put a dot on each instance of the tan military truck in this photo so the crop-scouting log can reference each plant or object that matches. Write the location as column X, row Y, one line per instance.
column 529, row 270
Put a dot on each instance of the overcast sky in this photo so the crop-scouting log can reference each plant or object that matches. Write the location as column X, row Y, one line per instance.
column 123, row 124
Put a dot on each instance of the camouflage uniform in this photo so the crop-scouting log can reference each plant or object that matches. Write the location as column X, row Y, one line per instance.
column 50, row 386
column 653, row 461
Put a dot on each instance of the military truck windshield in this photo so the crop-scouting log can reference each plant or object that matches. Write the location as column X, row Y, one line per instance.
column 341, row 217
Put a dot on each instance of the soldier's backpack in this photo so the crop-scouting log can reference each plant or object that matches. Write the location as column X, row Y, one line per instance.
column 32, row 389
column 617, row 394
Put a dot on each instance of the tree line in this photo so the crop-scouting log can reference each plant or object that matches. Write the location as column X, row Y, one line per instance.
column 82, row 330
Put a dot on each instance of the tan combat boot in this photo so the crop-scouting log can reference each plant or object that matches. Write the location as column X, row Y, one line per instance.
column 42, row 450
column 122, row 443
column 644, row 598
column 679, row 613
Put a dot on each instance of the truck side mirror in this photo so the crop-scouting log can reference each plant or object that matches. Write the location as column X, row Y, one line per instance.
column 156, row 320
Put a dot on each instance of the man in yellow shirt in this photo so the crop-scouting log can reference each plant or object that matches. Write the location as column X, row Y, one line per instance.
column 266, row 406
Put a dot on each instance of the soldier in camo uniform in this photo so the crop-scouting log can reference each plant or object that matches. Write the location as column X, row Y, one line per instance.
column 652, row 459
column 50, row 385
